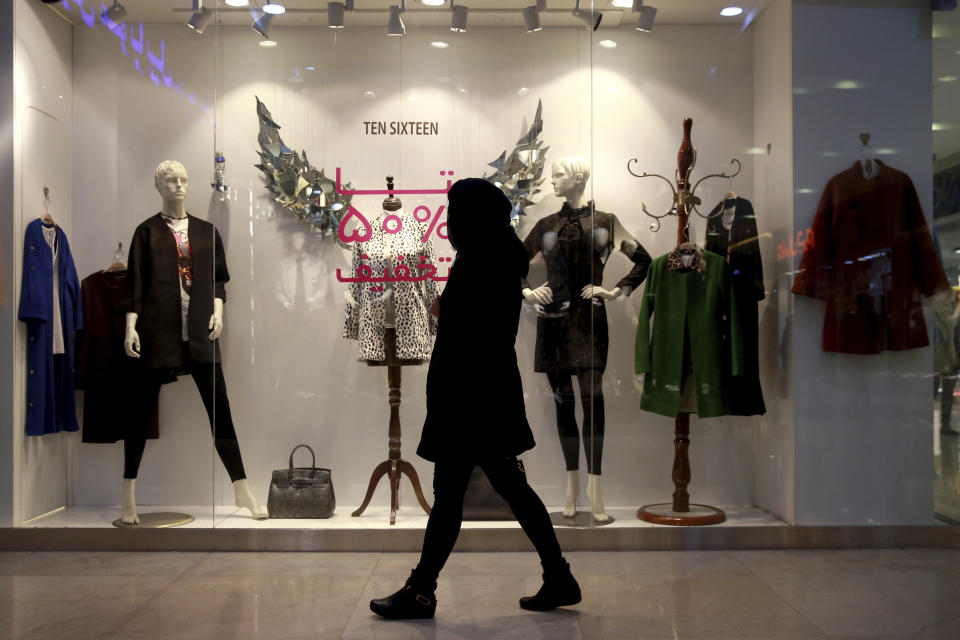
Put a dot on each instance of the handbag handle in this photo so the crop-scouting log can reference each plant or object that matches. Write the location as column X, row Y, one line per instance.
column 313, row 464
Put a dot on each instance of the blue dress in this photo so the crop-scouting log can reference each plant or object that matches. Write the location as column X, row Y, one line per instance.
column 51, row 406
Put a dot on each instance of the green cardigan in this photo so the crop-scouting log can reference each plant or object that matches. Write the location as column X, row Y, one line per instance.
column 704, row 301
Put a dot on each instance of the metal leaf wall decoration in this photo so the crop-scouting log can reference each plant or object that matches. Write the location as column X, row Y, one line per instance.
column 520, row 174
column 296, row 185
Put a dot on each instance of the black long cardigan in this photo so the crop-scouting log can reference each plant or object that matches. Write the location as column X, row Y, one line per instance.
column 153, row 291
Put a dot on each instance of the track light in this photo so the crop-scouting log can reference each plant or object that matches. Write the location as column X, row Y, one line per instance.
column 458, row 22
column 117, row 12
column 262, row 25
column 590, row 18
column 645, row 19
column 200, row 18
column 531, row 19
column 274, row 8
column 395, row 25
column 335, row 12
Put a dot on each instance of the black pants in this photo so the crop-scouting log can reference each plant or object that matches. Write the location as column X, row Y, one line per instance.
column 450, row 483
column 213, row 390
column 591, row 397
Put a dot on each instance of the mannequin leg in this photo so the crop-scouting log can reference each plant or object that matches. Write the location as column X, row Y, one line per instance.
column 213, row 389
column 949, row 383
column 594, row 418
column 561, row 384
column 132, row 455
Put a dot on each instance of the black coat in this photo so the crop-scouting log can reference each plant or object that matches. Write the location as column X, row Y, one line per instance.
column 741, row 246
column 153, row 291
column 475, row 408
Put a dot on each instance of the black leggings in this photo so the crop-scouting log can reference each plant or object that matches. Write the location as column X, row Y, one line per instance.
column 450, row 483
column 591, row 397
column 213, row 390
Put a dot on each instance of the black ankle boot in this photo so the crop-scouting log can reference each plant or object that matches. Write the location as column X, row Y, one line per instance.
column 408, row 603
column 560, row 589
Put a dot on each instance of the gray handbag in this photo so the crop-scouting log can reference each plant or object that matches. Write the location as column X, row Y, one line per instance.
column 301, row 492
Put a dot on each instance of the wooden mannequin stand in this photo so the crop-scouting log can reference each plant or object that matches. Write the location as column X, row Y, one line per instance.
column 394, row 466
column 681, row 512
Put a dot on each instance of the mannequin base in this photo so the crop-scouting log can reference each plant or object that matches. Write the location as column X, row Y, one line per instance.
column 698, row 515
column 581, row 519
column 156, row 520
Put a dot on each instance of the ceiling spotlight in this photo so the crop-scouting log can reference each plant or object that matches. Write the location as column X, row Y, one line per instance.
column 608, row 44
column 646, row 18
column 200, row 18
column 440, row 44
column 395, row 25
column 731, row 11
column 262, row 25
column 590, row 18
column 623, row 4
column 458, row 22
column 268, row 44
column 274, row 8
column 238, row 3
column 335, row 12
column 116, row 12
column 531, row 19
column 433, row 3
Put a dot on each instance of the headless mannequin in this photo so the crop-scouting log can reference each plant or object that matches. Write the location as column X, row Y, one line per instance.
column 173, row 191
column 571, row 187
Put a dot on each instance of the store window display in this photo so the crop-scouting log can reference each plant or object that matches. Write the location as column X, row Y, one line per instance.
column 176, row 281
column 572, row 338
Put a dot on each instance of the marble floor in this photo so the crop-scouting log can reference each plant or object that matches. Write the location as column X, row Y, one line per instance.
column 875, row 594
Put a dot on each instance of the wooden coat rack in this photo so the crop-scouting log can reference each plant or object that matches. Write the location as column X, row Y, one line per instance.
column 679, row 512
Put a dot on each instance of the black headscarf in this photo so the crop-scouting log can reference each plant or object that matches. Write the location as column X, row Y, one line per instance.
column 478, row 221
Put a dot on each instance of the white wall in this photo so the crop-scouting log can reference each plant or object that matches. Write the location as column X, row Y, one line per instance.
column 294, row 380
column 863, row 423
column 43, row 92
column 773, row 444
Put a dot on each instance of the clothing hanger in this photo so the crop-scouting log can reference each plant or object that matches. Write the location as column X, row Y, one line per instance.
column 868, row 164
column 118, row 264
column 45, row 216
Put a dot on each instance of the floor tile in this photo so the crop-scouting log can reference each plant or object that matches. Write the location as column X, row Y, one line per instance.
column 78, row 608
column 240, row 607
column 285, row 564
column 105, row 563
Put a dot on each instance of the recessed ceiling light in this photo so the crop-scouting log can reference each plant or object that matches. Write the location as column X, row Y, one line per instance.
column 433, row 3
column 608, row 44
column 413, row 98
column 947, row 79
column 624, row 4
column 238, row 3
column 729, row 12
column 269, row 44
column 439, row 44
column 310, row 68
column 369, row 94
column 274, row 8
column 523, row 91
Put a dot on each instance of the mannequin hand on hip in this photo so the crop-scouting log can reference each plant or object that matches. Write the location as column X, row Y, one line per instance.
column 216, row 320
column 540, row 312
column 541, row 295
column 131, row 339
column 593, row 291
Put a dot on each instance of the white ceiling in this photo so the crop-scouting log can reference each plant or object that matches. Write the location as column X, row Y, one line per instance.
column 482, row 12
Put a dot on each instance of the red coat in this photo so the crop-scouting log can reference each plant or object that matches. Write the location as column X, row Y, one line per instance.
column 871, row 259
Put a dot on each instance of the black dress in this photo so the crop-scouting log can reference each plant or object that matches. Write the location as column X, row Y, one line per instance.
column 576, row 244
column 741, row 246
column 120, row 400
